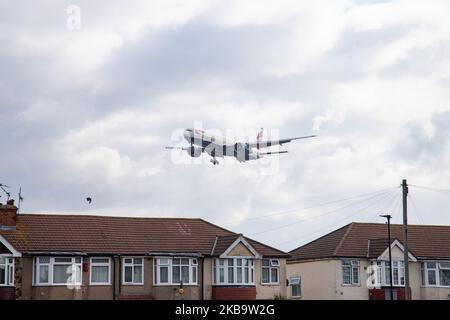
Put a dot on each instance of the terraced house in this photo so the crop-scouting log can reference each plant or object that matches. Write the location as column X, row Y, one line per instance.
column 353, row 263
column 45, row 256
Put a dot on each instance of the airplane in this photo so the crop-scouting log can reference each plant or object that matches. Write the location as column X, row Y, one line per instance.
column 219, row 146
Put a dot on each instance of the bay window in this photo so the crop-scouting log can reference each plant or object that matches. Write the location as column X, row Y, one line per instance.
column 270, row 270
column 350, row 272
column 133, row 271
column 6, row 271
column 100, row 271
column 174, row 271
column 233, row 271
column 383, row 273
column 57, row 271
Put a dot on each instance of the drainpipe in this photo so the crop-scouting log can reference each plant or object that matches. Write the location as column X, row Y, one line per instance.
column 203, row 279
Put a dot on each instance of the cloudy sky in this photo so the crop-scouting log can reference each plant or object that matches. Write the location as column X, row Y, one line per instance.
column 88, row 111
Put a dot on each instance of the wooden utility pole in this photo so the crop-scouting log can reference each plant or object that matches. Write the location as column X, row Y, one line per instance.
column 405, row 239
column 391, row 284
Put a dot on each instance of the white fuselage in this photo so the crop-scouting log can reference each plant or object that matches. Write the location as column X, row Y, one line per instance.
column 220, row 146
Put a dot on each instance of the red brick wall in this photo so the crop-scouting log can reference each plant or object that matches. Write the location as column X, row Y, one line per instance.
column 7, row 293
column 384, row 293
column 233, row 293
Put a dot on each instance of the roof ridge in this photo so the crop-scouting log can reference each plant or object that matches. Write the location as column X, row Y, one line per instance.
column 349, row 228
column 105, row 216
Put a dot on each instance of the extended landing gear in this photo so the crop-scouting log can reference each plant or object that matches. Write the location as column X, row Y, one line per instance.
column 214, row 161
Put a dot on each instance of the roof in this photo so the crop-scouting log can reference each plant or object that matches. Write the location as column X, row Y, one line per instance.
column 118, row 235
column 352, row 240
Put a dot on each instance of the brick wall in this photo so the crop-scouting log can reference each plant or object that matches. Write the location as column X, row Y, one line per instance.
column 385, row 294
column 233, row 293
column 7, row 293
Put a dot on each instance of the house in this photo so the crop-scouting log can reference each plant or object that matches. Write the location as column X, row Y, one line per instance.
column 45, row 256
column 353, row 263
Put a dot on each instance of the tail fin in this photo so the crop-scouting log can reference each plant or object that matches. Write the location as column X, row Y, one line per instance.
column 259, row 137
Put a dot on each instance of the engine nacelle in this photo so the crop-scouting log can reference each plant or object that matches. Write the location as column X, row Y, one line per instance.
column 194, row 152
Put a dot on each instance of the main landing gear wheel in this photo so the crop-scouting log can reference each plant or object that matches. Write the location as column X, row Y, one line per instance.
column 214, row 161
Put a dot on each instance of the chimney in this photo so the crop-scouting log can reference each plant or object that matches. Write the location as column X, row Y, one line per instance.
column 8, row 214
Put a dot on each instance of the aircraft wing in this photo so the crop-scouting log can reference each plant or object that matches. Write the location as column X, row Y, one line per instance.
column 269, row 143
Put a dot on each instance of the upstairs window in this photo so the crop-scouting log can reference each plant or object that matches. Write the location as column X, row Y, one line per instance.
column 270, row 271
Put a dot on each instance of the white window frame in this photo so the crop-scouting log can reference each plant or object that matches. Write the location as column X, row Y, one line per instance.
column 133, row 265
column 274, row 265
column 250, row 267
column 383, row 274
column 99, row 264
column 37, row 265
column 437, row 273
column 192, row 265
column 353, row 265
column 296, row 281
column 9, row 270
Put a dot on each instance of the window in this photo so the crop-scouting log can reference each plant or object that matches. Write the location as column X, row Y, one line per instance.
column 233, row 271
column 173, row 271
column 398, row 273
column 350, row 272
column 270, row 270
column 444, row 274
column 6, row 271
column 133, row 271
column 296, row 289
column 57, row 271
column 100, row 271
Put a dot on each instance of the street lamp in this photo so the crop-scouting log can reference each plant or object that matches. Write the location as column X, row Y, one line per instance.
column 388, row 217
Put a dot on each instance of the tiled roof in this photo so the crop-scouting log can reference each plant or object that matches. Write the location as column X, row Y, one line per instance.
column 118, row 235
column 425, row 241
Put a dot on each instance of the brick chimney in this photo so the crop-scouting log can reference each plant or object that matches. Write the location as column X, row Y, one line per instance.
column 8, row 214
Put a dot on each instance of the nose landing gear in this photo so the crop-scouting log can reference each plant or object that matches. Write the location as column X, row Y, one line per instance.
column 214, row 161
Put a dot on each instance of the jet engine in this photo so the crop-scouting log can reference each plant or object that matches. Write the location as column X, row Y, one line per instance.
column 194, row 152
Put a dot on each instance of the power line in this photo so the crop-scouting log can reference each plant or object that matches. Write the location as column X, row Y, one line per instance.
column 334, row 223
column 431, row 189
column 386, row 193
column 279, row 213
column 416, row 210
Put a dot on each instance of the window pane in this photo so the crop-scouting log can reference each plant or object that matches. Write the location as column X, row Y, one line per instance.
column 246, row 274
column 346, row 275
column 100, row 260
column 2, row 260
column 100, row 274
column 176, row 261
column 138, row 261
column 432, row 277
column 164, row 274
column 128, row 274
column 194, row 274
column 185, row 274
column 163, row 261
column 431, row 265
column 137, row 274
column 230, row 275
column 265, row 262
column 128, row 261
column 44, row 259
column 265, row 275
column 43, row 274
column 78, row 260
column 230, row 262
column 185, row 262
column 274, row 277
column 3, row 274
column 58, row 260
column 444, row 265
column 61, row 273
column 444, row 276
column 239, row 274
column 176, row 277
column 221, row 275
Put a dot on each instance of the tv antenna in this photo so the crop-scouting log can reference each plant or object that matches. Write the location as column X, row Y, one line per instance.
column 3, row 187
